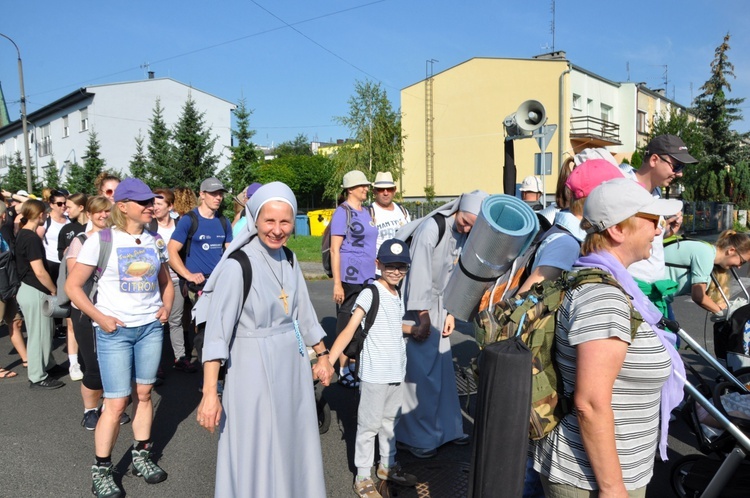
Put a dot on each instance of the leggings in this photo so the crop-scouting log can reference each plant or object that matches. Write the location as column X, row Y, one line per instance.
column 84, row 332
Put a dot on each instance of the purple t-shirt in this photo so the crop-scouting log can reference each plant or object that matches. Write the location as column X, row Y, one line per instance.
column 358, row 248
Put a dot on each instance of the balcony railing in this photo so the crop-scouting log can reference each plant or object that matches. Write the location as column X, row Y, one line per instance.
column 591, row 127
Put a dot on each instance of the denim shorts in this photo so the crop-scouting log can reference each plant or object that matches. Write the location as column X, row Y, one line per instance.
column 128, row 354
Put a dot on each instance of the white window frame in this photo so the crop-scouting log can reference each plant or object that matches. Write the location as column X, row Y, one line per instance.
column 65, row 126
column 44, row 141
column 84, row 119
column 576, row 102
column 606, row 112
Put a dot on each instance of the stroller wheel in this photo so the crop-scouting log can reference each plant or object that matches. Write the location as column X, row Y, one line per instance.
column 680, row 470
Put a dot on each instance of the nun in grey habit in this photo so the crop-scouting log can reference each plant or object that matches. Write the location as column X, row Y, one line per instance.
column 268, row 433
column 431, row 413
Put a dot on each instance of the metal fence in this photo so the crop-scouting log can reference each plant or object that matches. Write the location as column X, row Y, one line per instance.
column 702, row 216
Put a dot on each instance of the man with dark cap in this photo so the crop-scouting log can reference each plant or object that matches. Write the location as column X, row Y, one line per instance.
column 197, row 244
column 664, row 161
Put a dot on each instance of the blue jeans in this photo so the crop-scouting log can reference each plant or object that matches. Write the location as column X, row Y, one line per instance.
column 127, row 354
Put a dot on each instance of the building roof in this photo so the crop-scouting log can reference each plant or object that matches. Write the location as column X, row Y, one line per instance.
column 80, row 95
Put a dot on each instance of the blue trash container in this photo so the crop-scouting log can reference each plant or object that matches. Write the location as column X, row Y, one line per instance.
column 301, row 225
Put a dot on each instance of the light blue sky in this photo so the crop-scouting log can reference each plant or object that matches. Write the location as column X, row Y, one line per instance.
column 296, row 62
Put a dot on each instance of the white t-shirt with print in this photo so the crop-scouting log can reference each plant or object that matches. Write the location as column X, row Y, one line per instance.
column 388, row 222
column 129, row 287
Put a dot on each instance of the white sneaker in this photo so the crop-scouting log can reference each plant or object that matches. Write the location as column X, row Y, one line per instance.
column 75, row 372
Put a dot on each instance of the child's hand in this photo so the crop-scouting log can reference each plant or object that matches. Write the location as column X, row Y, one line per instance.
column 450, row 325
column 323, row 370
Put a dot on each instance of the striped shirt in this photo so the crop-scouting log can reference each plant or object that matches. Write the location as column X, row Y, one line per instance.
column 601, row 311
column 383, row 356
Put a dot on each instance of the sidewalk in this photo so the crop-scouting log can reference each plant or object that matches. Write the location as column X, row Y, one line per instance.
column 312, row 270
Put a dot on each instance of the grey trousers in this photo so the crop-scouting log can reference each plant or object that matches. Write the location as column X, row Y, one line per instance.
column 377, row 415
column 39, row 330
column 176, row 331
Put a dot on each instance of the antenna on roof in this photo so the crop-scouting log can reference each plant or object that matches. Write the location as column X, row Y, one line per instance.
column 627, row 69
column 552, row 25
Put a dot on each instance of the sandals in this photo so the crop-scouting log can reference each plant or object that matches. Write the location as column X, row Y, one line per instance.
column 7, row 374
column 25, row 364
column 348, row 380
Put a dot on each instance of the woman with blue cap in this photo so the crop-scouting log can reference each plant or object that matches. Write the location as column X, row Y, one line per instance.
column 268, row 435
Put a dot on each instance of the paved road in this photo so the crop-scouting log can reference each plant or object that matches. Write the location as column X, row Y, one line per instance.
column 45, row 451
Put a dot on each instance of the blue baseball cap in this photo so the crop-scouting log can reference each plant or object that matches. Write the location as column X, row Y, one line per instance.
column 394, row 251
column 133, row 189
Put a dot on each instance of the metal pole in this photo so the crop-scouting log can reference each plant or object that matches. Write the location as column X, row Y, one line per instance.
column 23, row 116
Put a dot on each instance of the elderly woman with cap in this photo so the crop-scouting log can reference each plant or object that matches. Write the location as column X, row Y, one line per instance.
column 431, row 414
column 134, row 300
column 268, row 443
column 622, row 372
column 353, row 240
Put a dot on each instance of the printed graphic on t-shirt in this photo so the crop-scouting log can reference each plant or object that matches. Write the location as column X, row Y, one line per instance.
column 207, row 242
column 138, row 269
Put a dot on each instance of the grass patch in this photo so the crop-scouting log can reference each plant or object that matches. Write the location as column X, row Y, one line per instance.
column 306, row 247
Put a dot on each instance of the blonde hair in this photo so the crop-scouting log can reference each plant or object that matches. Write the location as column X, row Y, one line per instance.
column 728, row 238
column 600, row 241
column 97, row 204
column 103, row 177
column 117, row 218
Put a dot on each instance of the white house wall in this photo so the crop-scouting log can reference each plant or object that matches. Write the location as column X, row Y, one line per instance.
column 118, row 113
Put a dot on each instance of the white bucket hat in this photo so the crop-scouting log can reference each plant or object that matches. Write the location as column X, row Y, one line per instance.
column 354, row 179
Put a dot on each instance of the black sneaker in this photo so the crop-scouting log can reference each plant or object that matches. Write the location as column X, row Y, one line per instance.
column 145, row 467
column 184, row 365
column 90, row 419
column 48, row 384
column 124, row 418
column 57, row 370
column 103, row 482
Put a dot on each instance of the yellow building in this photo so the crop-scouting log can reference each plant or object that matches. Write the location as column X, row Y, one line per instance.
column 452, row 122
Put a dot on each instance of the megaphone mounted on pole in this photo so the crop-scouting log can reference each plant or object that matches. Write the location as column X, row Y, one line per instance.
column 529, row 117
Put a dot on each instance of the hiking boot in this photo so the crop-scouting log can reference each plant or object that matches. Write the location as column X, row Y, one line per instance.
column 184, row 365
column 366, row 488
column 48, row 383
column 103, row 485
column 90, row 419
column 396, row 474
column 75, row 372
column 144, row 467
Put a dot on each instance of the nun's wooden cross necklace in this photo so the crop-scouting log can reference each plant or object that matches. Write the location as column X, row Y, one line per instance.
column 283, row 296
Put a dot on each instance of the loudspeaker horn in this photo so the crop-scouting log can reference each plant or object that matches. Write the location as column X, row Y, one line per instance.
column 529, row 117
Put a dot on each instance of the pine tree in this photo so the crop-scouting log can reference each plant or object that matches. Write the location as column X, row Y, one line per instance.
column 51, row 175
column 193, row 146
column 161, row 165
column 76, row 179
column 93, row 164
column 139, row 163
column 717, row 113
column 245, row 156
column 15, row 180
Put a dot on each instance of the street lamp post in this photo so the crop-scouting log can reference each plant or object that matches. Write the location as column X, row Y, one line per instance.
column 23, row 116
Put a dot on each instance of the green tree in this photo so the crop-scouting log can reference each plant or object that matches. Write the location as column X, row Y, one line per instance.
column 245, row 155
column 93, row 163
column 309, row 175
column 51, row 175
column 76, row 178
column 139, row 166
column 300, row 146
column 278, row 172
column 161, row 165
column 717, row 112
column 193, row 148
column 739, row 185
column 15, row 179
column 376, row 130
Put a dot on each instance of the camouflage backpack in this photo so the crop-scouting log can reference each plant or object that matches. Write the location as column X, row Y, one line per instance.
column 533, row 317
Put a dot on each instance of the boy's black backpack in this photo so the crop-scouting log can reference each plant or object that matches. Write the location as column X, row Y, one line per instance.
column 355, row 346
column 185, row 251
column 325, row 246
column 9, row 279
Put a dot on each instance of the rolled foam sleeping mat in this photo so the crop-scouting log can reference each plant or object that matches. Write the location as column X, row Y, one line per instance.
column 504, row 229
column 52, row 309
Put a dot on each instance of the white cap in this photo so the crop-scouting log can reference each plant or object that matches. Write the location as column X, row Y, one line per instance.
column 531, row 184
column 23, row 193
column 617, row 200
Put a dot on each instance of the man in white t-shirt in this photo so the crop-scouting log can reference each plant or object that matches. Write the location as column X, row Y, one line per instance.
column 663, row 162
column 386, row 214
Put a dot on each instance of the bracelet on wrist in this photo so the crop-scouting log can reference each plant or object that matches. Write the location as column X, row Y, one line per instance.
column 324, row 352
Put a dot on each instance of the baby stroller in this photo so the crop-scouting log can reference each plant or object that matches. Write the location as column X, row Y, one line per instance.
column 719, row 431
column 732, row 335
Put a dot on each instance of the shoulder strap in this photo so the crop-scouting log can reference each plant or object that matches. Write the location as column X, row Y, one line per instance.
column 371, row 209
column 47, row 224
column 247, row 272
column 374, row 306
column 105, row 249
column 440, row 220
column 191, row 231
column 403, row 209
column 289, row 255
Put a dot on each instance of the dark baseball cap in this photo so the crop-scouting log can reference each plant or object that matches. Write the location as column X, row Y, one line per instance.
column 672, row 146
column 394, row 251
